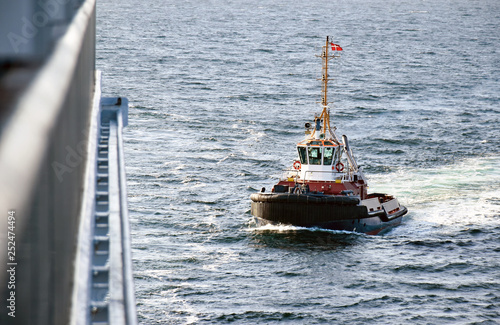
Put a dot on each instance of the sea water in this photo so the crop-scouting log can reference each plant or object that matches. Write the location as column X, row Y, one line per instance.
column 219, row 93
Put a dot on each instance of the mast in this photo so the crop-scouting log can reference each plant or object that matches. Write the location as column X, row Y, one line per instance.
column 325, row 113
column 324, row 78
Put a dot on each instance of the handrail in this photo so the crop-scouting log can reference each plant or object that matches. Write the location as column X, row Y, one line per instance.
column 346, row 177
column 106, row 295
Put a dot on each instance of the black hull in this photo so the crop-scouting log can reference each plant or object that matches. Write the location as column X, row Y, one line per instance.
column 322, row 211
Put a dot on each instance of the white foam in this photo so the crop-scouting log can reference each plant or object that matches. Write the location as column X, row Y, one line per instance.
column 465, row 193
column 288, row 228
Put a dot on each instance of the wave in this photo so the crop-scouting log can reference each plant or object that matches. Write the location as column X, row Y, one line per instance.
column 462, row 194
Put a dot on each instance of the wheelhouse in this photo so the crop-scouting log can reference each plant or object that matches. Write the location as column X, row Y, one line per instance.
column 318, row 152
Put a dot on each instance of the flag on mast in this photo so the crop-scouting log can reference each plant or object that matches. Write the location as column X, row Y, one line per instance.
column 336, row 47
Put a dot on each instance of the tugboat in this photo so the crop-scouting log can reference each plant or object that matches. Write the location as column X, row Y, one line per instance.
column 325, row 187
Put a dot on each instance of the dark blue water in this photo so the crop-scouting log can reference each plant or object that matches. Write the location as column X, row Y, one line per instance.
column 219, row 92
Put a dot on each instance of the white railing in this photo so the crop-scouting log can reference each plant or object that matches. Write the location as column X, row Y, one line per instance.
column 309, row 175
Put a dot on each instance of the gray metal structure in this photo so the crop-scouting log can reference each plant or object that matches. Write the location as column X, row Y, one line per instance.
column 63, row 203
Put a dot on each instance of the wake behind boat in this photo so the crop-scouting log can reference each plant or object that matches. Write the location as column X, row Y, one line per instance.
column 325, row 187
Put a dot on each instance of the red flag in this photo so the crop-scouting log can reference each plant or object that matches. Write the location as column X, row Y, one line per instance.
column 336, row 47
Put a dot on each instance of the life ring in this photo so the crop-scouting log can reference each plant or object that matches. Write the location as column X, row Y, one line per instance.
column 297, row 165
column 339, row 166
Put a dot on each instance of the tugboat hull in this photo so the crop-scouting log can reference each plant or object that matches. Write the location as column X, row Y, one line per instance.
column 333, row 212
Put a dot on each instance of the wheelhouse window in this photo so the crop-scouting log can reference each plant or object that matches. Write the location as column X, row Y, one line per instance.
column 315, row 155
column 328, row 155
column 303, row 155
